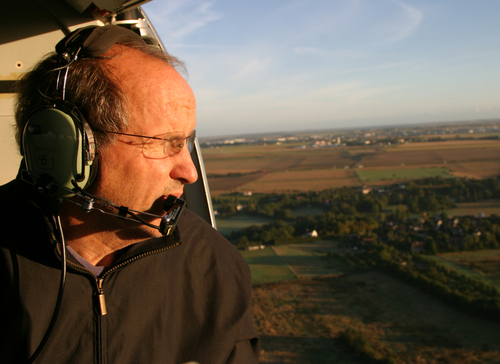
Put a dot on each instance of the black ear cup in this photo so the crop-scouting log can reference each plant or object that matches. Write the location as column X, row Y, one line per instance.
column 57, row 146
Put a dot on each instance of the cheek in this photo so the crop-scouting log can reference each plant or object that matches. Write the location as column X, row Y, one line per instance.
column 117, row 169
column 156, row 171
column 137, row 175
column 125, row 170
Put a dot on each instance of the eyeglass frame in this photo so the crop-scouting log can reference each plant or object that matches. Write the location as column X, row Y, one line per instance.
column 190, row 142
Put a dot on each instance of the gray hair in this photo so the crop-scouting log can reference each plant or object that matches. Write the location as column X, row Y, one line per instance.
column 90, row 86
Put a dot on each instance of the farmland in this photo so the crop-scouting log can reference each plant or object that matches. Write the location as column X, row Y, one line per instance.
column 483, row 265
column 281, row 168
column 342, row 301
column 301, row 320
column 227, row 226
column 268, row 267
column 401, row 173
column 486, row 208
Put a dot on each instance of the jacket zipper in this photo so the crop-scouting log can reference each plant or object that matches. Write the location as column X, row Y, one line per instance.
column 101, row 298
column 100, row 280
column 100, row 340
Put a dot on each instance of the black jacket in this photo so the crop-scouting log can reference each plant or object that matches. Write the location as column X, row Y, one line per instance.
column 184, row 297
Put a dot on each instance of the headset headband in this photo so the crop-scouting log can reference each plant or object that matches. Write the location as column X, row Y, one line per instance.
column 94, row 41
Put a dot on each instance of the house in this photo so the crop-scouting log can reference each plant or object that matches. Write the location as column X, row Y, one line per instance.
column 313, row 234
column 418, row 246
column 255, row 247
column 368, row 241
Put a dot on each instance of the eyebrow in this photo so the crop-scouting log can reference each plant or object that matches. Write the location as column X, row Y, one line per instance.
column 134, row 135
column 145, row 136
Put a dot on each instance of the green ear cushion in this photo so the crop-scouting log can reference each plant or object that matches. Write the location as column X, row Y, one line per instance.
column 52, row 145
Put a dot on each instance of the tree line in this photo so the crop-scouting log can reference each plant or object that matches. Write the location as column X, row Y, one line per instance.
column 382, row 214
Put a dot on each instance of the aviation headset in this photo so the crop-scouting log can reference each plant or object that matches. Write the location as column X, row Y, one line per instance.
column 57, row 142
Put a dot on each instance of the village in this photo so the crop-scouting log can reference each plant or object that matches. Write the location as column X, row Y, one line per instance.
column 412, row 217
column 362, row 136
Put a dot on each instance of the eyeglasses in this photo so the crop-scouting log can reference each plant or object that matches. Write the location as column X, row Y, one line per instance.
column 164, row 145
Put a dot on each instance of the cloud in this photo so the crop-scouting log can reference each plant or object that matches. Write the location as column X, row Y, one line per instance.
column 177, row 19
column 385, row 66
column 312, row 50
column 411, row 19
column 414, row 16
column 344, row 53
column 255, row 66
column 345, row 93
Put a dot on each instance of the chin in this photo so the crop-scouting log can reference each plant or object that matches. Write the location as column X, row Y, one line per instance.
column 149, row 231
column 157, row 207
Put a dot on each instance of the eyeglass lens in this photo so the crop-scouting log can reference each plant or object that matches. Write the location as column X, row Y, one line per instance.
column 169, row 145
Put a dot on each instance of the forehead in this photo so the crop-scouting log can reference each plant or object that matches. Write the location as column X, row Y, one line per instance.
column 158, row 99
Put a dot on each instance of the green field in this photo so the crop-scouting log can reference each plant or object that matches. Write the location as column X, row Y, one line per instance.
column 267, row 267
column 241, row 220
column 308, row 210
column 414, row 173
column 306, row 260
column 285, row 262
column 486, row 208
column 482, row 265
column 238, row 222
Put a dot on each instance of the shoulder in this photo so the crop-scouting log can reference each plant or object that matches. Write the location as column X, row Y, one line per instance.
column 10, row 190
column 14, row 198
column 192, row 227
column 199, row 234
column 207, row 245
column 23, row 225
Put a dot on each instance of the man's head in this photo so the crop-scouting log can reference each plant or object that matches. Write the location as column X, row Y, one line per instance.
column 133, row 89
column 158, row 101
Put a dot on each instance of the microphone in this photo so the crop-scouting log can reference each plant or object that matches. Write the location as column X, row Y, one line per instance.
column 173, row 206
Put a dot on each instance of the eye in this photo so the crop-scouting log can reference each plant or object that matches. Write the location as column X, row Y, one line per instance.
column 148, row 144
column 178, row 144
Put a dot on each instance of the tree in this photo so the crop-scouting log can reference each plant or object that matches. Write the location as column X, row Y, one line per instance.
column 430, row 246
column 444, row 217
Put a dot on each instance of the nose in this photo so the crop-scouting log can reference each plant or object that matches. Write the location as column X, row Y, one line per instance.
column 184, row 169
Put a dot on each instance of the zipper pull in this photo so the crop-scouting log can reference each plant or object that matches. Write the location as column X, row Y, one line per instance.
column 102, row 299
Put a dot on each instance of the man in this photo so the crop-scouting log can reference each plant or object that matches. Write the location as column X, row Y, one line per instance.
column 132, row 293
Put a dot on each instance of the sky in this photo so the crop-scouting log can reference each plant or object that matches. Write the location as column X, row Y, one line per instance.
column 259, row 66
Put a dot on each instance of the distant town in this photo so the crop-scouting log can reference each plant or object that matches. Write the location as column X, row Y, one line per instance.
column 383, row 135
